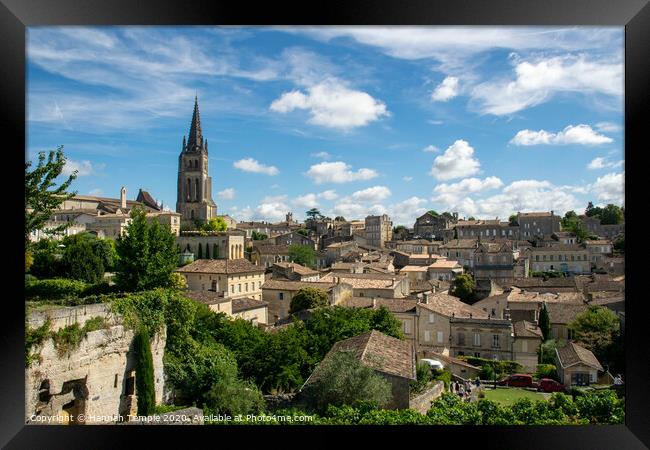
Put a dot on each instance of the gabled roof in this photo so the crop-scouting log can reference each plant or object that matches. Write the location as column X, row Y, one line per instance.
column 525, row 329
column 378, row 351
column 206, row 297
column 297, row 268
column 222, row 266
column 246, row 304
column 287, row 285
column 448, row 306
column 398, row 305
column 572, row 354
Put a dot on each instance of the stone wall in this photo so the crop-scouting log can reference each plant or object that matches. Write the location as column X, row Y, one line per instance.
column 422, row 403
column 96, row 379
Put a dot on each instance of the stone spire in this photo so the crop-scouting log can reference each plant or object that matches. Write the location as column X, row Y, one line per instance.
column 195, row 139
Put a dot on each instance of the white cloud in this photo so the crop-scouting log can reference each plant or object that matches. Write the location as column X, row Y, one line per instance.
column 407, row 179
column 333, row 105
column 226, row 194
column 405, row 212
column 538, row 81
column 450, row 193
column 321, row 155
column 328, row 195
column 446, row 90
column 456, row 162
column 573, row 134
column 372, row 194
column 521, row 195
column 251, row 165
column 610, row 188
column 306, row 201
column 338, row 172
column 96, row 191
column 83, row 168
column 351, row 210
column 431, row 149
column 602, row 163
column 608, row 127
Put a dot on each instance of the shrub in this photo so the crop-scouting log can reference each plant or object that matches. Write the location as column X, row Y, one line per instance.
column 308, row 298
column 54, row 288
column 144, row 379
column 81, row 263
column 33, row 338
column 443, row 375
column 423, row 375
column 232, row 396
column 546, row 371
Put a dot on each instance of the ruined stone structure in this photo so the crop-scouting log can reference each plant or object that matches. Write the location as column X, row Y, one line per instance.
column 194, row 199
column 95, row 379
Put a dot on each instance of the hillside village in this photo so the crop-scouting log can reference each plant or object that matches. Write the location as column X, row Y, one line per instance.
column 472, row 295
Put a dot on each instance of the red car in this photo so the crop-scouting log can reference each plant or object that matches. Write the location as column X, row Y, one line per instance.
column 517, row 380
column 548, row 385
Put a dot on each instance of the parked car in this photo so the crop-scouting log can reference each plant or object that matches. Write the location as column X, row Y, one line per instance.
column 434, row 364
column 548, row 385
column 517, row 380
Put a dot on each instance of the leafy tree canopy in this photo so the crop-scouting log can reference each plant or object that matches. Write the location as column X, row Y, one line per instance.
column 308, row 298
column 258, row 236
column 302, row 254
column 314, row 213
column 42, row 196
column 215, row 224
column 463, row 286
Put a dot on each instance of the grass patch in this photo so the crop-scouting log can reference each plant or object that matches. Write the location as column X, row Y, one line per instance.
column 507, row 396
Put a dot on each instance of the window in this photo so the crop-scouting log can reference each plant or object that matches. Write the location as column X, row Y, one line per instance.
column 407, row 327
column 477, row 339
column 461, row 338
column 439, row 337
column 495, row 340
column 432, row 317
column 280, row 295
column 524, row 345
column 477, row 354
column 246, row 287
column 239, row 287
column 536, row 257
column 427, row 336
column 232, row 288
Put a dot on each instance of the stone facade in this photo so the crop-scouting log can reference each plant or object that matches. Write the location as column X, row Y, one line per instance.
column 379, row 229
column 194, row 188
column 422, row 403
column 214, row 245
column 538, row 224
column 431, row 226
column 562, row 258
column 96, row 379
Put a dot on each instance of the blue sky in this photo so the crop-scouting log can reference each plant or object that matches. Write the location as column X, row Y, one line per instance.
column 483, row 121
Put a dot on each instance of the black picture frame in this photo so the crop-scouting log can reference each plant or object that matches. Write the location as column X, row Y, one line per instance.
column 634, row 15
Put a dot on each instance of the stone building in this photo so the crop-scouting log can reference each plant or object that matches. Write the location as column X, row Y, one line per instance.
column 267, row 255
column 372, row 284
column 431, row 226
column 293, row 272
column 379, row 229
column 96, row 379
column 495, row 261
column 194, row 188
column 486, row 229
column 294, row 238
column 461, row 250
column 236, row 278
column 278, row 294
column 390, row 357
column 212, row 244
column 535, row 224
column 528, row 338
column 484, row 338
column 571, row 259
column 577, row 366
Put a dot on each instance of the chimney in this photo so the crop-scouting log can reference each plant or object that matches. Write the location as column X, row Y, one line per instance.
column 123, row 197
column 426, row 297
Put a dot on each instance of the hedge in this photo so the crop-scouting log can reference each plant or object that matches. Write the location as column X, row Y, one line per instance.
column 61, row 288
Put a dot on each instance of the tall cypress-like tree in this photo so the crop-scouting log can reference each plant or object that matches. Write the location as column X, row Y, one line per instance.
column 545, row 323
column 207, row 251
column 144, row 379
column 200, row 253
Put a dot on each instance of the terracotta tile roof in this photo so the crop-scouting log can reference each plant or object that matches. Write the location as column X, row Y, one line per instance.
column 206, row 297
column 448, row 305
column 246, row 304
column 378, row 351
column 224, row 266
column 401, row 305
column 559, row 248
column 518, row 295
column 272, row 249
column 563, row 314
column 461, row 243
column 299, row 269
column 296, row 285
column 599, row 242
column 365, row 280
column 523, row 328
column 414, row 269
column 445, row 264
column 538, row 282
column 572, row 354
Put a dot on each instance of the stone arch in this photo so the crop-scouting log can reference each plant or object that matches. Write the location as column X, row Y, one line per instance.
column 207, row 250
column 189, row 189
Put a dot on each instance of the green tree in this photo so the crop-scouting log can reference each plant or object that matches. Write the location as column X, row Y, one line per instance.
column 340, row 219
column 448, row 215
column 106, row 250
column 619, row 244
column 596, row 329
column 258, row 236
column 79, row 262
column 512, row 220
column 42, row 196
column 432, row 212
column 215, row 224
column 147, row 254
column 546, row 351
column 463, row 286
column 313, row 214
column 471, row 218
column 303, row 231
column 422, row 377
column 302, row 254
column 399, row 229
column 308, row 298
column 200, row 252
column 611, row 214
column 144, row 378
column 571, row 222
column 343, row 380
column 545, row 322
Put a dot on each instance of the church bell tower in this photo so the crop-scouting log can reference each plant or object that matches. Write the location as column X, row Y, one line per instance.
column 194, row 200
